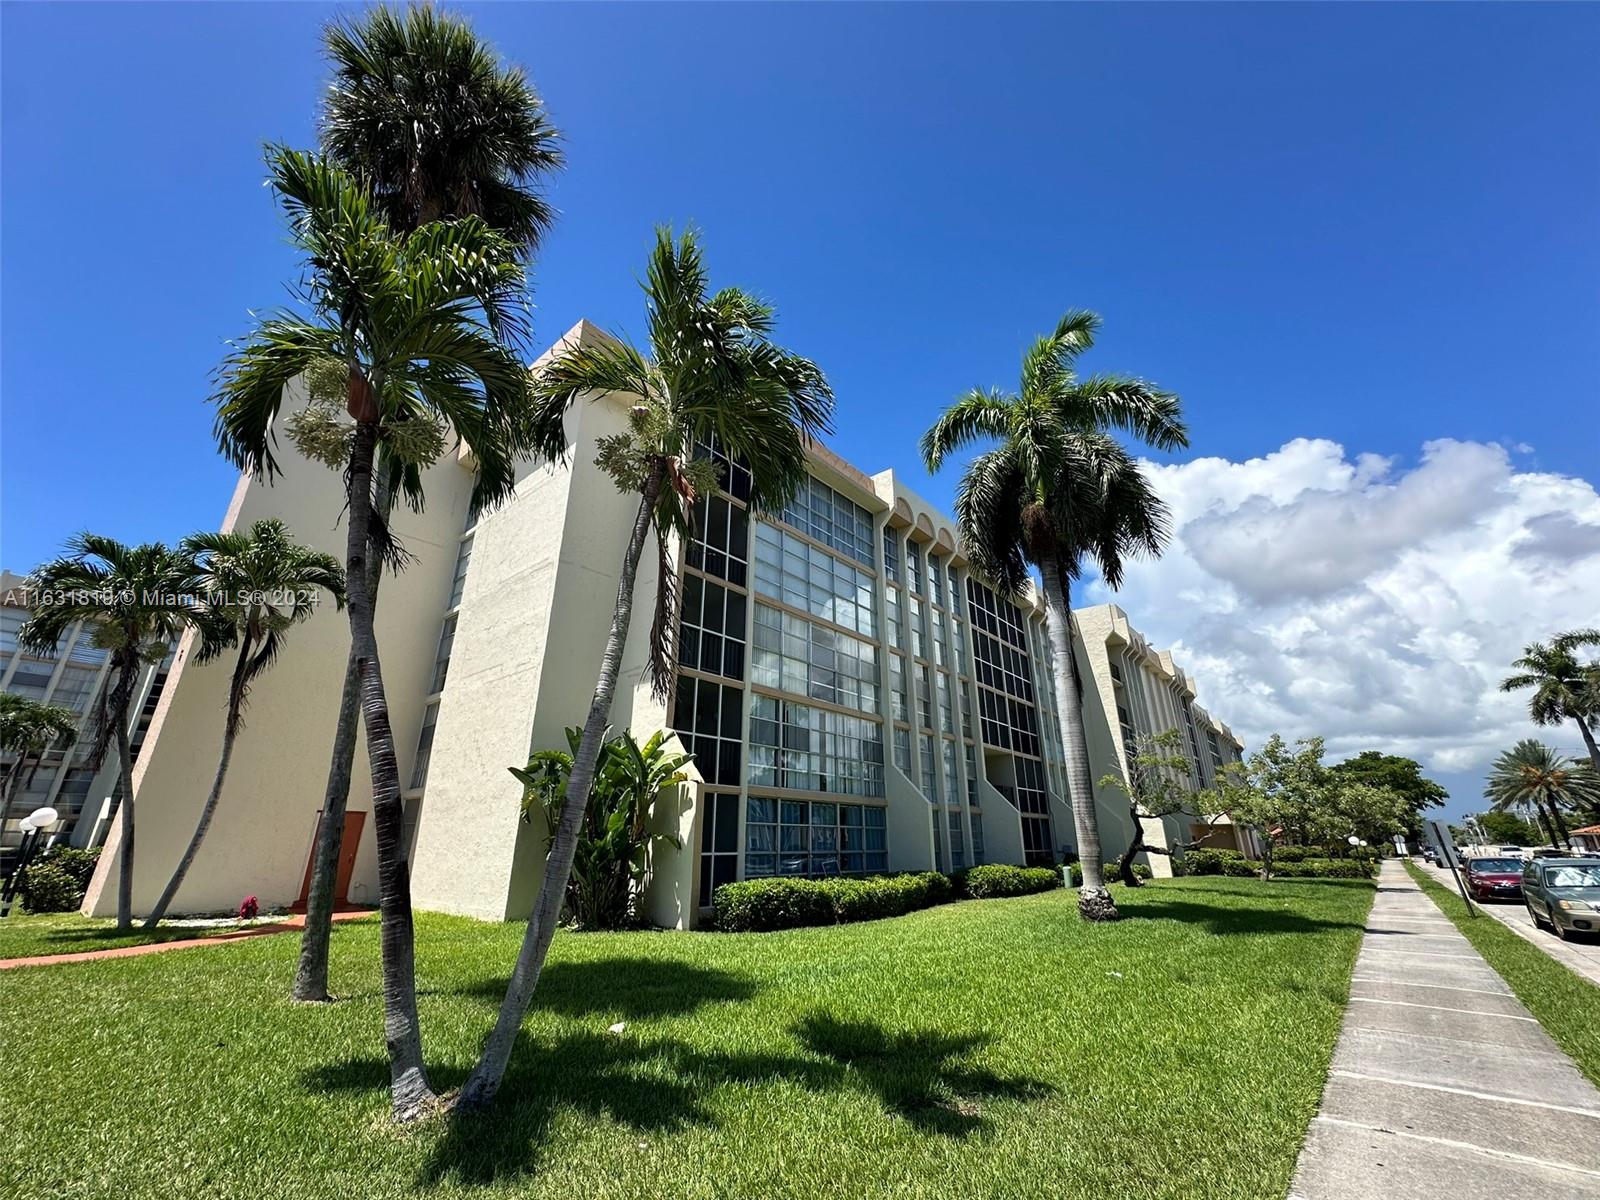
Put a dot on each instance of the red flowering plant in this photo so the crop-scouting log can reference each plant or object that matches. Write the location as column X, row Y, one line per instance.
column 249, row 908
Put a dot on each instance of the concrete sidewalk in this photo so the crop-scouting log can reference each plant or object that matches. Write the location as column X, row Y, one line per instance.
column 1582, row 957
column 1442, row 1083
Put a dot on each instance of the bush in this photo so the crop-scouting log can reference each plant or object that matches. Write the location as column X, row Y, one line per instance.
column 758, row 905
column 1203, row 861
column 1324, row 868
column 58, row 880
column 994, row 880
column 48, row 888
column 1140, row 871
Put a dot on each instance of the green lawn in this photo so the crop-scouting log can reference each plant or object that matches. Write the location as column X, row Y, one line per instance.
column 993, row 1048
column 25, row 935
column 1567, row 1005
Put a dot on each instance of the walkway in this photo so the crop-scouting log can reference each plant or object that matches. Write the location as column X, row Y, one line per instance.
column 1442, row 1083
column 295, row 922
column 1581, row 957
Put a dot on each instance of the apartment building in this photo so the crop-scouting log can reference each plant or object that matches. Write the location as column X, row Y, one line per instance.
column 855, row 698
column 70, row 777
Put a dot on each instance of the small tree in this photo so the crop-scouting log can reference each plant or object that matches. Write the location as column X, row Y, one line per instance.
column 1400, row 775
column 27, row 729
column 612, row 859
column 1159, row 786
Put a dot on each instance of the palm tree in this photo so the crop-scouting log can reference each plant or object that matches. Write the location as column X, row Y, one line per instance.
column 1056, row 491
column 420, row 110
column 711, row 372
column 139, row 599
column 421, row 323
column 27, row 729
column 1565, row 688
column 1533, row 777
column 258, row 585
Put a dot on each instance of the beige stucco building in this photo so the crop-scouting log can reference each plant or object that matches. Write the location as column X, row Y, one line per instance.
column 855, row 698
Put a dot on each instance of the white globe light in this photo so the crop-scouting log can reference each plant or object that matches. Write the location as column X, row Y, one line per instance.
column 1353, row 840
column 40, row 817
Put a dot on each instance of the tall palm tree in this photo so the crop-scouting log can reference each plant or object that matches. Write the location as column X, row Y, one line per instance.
column 1059, row 490
column 421, row 111
column 139, row 600
column 711, row 371
column 27, row 729
column 421, row 322
column 258, row 585
column 1532, row 776
column 1565, row 687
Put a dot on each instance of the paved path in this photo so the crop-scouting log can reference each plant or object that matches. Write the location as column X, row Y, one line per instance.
column 1443, row 1084
column 1582, row 957
column 238, row 935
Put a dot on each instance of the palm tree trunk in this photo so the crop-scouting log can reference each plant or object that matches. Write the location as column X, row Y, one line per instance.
column 1560, row 824
column 1588, row 740
column 127, row 669
column 409, row 1093
column 486, row 1077
column 230, row 730
column 311, row 975
column 1094, row 901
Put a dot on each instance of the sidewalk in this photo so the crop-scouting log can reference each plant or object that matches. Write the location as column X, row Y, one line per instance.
column 1442, row 1083
column 217, row 939
column 1583, row 958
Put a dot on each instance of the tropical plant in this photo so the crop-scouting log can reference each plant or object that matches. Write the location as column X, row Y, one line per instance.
column 27, row 729
column 418, row 320
column 1565, row 687
column 1057, row 491
column 1531, row 777
column 258, row 585
column 1159, row 784
column 615, row 843
column 712, row 374
column 421, row 111
column 1508, row 829
column 139, row 599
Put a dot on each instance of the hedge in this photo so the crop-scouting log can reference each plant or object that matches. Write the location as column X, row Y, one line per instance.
column 761, row 905
column 58, row 880
column 1297, row 866
column 1109, row 870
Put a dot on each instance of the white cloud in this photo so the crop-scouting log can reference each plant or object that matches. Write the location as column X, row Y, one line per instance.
column 1311, row 592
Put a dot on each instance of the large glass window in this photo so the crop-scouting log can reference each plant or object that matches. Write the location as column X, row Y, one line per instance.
column 924, row 697
column 708, row 717
column 952, row 792
column 1008, row 724
column 711, row 636
column 914, row 567
column 796, row 655
column 929, row 765
column 822, row 513
column 463, row 559
column 938, row 638
column 719, row 843
column 946, row 714
column 891, row 554
column 419, row 765
column 732, row 473
column 814, row 749
column 976, row 818
column 972, row 775
column 918, row 649
column 810, row 837
column 441, row 658
column 1033, row 803
column 897, row 688
column 936, row 579
column 813, row 581
column 958, row 851
column 891, row 604
column 719, row 544
column 902, row 750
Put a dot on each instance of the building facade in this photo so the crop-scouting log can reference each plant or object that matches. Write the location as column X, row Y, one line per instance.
column 81, row 785
column 855, row 698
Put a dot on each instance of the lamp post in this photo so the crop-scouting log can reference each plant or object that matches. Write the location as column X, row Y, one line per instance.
column 33, row 827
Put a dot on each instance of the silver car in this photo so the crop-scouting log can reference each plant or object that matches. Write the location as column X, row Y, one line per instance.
column 1563, row 893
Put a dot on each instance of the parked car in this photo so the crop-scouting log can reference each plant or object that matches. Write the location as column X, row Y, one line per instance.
column 1494, row 878
column 1563, row 893
column 1512, row 852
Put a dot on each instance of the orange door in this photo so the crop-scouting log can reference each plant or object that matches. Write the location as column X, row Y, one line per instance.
column 349, row 846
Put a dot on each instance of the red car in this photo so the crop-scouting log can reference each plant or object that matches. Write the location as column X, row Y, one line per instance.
column 1495, row 878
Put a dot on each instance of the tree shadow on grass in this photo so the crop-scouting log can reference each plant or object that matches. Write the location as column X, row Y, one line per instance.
column 633, row 988
column 1225, row 920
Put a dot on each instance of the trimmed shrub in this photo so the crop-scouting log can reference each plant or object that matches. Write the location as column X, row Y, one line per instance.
column 1203, row 861
column 1324, row 868
column 994, row 880
column 758, row 905
column 48, row 888
column 1140, row 871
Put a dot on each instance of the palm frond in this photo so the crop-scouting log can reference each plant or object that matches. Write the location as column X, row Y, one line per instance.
column 975, row 416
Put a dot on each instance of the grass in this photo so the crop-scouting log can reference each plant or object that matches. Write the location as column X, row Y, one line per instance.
column 25, row 935
column 989, row 1048
column 1566, row 1004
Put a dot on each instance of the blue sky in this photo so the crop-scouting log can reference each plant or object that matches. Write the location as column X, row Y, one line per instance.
column 1370, row 224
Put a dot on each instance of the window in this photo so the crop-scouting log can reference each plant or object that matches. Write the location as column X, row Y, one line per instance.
column 958, row 638
column 972, row 775
column 897, row 633
column 795, row 655
column 976, row 818
column 801, row 837
column 719, row 843
column 924, row 699
column 902, row 751
column 708, row 718
column 966, row 710
column 891, row 554
column 952, row 791
column 814, row 749
column 711, row 629
column 1033, row 802
column 936, row 579
column 813, row 581
column 820, row 512
column 441, row 659
column 958, row 852
column 410, row 816
column 733, row 474
column 76, row 687
column 463, row 558
column 946, row 714
column 719, row 542
column 897, row 688
column 419, row 765
column 914, row 566
column 930, row 779
column 1007, row 724
column 938, row 637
